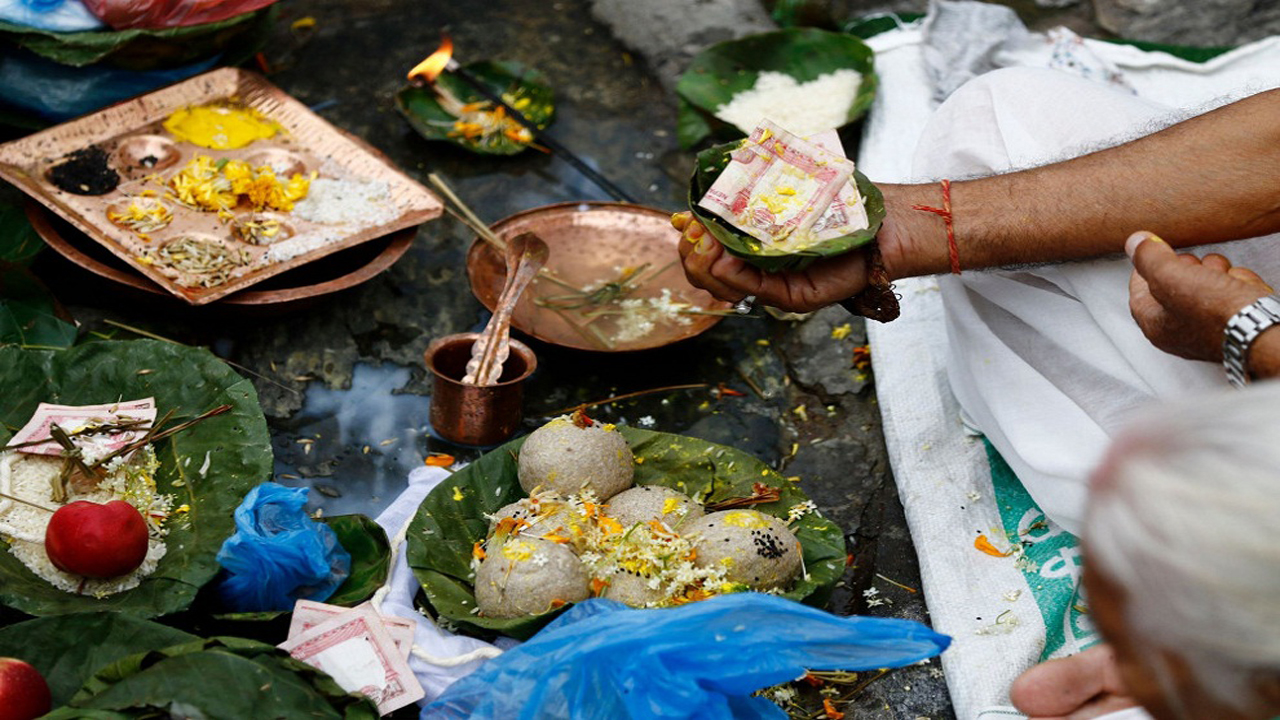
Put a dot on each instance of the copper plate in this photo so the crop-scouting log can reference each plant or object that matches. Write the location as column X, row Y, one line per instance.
column 70, row 246
column 591, row 243
column 308, row 143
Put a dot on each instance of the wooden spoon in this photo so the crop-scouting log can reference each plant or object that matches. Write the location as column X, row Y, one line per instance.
column 526, row 254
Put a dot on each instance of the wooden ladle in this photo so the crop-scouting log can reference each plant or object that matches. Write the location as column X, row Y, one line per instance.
column 526, row 254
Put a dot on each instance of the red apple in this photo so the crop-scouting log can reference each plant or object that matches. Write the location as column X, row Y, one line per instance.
column 24, row 694
column 97, row 541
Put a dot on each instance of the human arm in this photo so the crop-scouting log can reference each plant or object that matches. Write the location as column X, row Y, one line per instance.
column 1207, row 179
column 1182, row 303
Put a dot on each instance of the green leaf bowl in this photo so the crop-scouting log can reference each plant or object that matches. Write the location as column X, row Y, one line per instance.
column 142, row 49
column 725, row 69
column 712, row 161
column 443, row 531
column 523, row 88
column 188, row 381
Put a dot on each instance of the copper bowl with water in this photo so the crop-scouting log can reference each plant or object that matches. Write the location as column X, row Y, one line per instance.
column 592, row 243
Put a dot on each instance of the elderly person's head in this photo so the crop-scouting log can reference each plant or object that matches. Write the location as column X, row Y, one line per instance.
column 1182, row 555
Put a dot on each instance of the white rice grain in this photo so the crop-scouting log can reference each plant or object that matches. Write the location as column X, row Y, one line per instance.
column 28, row 477
column 801, row 108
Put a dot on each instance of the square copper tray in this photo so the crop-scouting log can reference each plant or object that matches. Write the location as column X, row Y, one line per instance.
column 307, row 141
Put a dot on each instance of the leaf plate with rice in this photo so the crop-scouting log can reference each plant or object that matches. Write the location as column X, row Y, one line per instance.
column 209, row 466
column 729, row 68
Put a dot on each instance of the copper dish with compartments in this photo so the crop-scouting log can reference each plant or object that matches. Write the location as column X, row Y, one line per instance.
column 145, row 156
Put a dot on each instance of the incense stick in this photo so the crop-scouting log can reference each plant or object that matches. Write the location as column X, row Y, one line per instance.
column 15, row 498
column 554, row 146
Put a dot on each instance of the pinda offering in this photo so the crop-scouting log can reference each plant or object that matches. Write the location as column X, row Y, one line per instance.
column 645, row 503
column 574, row 453
column 755, row 549
column 521, row 576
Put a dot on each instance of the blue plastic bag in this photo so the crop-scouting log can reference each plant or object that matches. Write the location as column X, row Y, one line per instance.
column 604, row 660
column 278, row 554
column 55, row 15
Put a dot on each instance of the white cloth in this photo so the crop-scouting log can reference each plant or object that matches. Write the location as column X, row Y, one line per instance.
column 942, row 474
column 402, row 586
column 1048, row 362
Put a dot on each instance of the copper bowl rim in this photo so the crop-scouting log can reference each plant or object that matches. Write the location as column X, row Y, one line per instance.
column 41, row 220
column 526, row 352
column 478, row 244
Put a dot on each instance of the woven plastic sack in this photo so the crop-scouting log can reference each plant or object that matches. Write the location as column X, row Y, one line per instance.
column 158, row 14
column 54, row 15
column 278, row 554
column 703, row 660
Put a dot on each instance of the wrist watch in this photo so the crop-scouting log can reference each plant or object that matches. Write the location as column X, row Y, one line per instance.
column 1242, row 329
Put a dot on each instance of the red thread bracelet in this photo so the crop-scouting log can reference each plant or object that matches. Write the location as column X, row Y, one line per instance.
column 945, row 212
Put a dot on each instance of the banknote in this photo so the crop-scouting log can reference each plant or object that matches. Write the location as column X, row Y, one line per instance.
column 308, row 613
column 95, row 429
column 787, row 191
column 355, row 649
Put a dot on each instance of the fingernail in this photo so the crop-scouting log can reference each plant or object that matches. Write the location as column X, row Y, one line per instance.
column 1136, row 239
column 704, row 246
column 678, row 220
column 696, row 231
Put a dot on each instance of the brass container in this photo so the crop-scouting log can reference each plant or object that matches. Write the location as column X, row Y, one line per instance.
column 472, row 414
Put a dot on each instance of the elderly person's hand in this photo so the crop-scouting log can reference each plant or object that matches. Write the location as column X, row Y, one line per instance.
column 710, row 267
column 1085, row 685
column 1183, row 303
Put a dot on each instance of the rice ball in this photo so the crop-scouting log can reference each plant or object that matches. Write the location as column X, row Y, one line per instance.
column 569, row 457
column 632, row 589
column 755, row 549
column 643, row 503
column 541, row 510
column 529, row 576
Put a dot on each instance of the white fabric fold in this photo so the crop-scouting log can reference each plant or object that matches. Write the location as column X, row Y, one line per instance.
column 942, row 474
column 402, row 586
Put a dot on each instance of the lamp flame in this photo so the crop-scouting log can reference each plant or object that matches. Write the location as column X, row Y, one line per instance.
column 435, row 63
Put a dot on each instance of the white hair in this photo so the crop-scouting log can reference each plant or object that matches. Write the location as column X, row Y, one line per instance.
column 1184, row 515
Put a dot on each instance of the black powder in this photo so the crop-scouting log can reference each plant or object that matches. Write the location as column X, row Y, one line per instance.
column 85, row 172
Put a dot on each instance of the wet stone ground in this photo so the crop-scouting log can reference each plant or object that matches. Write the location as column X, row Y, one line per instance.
column 342, row 381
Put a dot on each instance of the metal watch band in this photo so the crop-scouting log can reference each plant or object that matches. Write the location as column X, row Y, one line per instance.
column 1242, row 329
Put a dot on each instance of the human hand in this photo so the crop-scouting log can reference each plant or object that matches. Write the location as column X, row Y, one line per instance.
column 1085, row 685
column 1182, row 303
column 709, row 266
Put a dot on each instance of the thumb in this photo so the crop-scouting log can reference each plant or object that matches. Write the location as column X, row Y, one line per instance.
column 1151, row 255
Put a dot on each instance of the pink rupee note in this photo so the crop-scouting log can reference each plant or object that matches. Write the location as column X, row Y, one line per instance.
column 359, row 654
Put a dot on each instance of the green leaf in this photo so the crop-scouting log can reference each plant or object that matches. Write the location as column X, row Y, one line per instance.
column 525, row 89
column 215, row 678
column 188, row 381
column 728, row 68
column 67, row 649
column 443, row 531
column 142, row 49
column 867, row 27
column 19, row 242
column 712, row 161
column 691, row 125
column 370, row 558
column 29, row 316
